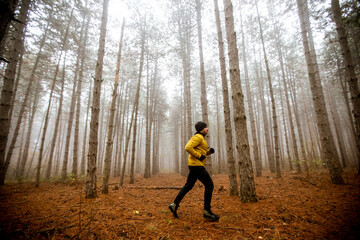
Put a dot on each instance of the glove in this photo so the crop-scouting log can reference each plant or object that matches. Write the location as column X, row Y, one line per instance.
column 211, row 150
column 202, row 157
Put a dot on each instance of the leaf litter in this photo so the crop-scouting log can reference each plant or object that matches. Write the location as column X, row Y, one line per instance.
column 295, row 206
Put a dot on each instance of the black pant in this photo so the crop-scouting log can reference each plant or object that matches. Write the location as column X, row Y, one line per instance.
column 197, row 172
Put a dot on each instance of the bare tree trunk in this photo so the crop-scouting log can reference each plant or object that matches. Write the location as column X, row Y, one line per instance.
column 204, row 102
column 136, row 104
column 38, row 169
column 176, row 125
column 350, row 70
column 300, row 130
column 326, row 137
column 183, row 159
column 247, row 185
column 28, row 134
column 78, row 107
column 109, row 144
column 57, row 122
column 260, row 84
column 250, row 103
column 233, row 185
column 339, row 135
column 83, row 158
column 273, row 165
column 148, row 124
column 156, row 132
column 286, row 135
column 90, row 185
column 7, row 13
column 150, row 120
column 8, row 86
column 126, row 148
column 22, row 110
column 72, row 112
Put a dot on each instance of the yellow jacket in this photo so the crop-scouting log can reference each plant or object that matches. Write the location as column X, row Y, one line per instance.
column 196, row 147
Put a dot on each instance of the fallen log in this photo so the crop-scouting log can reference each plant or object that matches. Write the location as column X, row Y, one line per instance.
column 153, row 187
column 304, row 179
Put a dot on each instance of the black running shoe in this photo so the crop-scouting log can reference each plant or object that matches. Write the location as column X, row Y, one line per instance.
column 173, row 208
column 210, row 215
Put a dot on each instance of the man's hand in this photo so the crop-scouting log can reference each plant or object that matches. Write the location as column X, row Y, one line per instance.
column 202, row 157
column 211, row 150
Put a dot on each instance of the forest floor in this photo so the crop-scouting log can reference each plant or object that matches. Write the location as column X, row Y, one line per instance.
column 295, row 206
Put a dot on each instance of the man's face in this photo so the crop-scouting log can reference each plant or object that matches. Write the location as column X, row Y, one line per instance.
column 205, row 130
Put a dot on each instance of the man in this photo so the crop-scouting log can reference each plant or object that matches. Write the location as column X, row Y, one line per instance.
column 197, row 149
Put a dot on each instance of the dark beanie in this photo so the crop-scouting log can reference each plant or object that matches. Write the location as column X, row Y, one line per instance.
column 199, row 126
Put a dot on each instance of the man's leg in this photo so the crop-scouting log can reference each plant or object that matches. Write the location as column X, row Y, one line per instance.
column 190, row 182
column 205, row 178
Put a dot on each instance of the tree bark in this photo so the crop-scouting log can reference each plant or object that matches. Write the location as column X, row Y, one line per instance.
column 257, row 160
column 326, row 137
column 8, row 86
column 90, row 184
column 72, row 112
column 78, row 106
column 57, row 122
column 7, row 13
column 247, row 185
column 204, row 102
column 350, row 70
column 136, row 105
column 233, row 185
column 109, row 144
column 38, row 169
column 274, row 165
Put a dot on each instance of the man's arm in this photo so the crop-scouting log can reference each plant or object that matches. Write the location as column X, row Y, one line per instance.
column 190, row 146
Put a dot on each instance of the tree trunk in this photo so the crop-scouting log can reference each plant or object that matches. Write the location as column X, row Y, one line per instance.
column 147, row 123
column 250, row 103
column 90, row 184
column 204, row 102
column 38, row 169
column 136, row 104
column 28, row 134
column 78, row 107
column 83, row 158
column 57, row 122
column 8, row 86
column 7, row 13
column 233, row 185
column 109, row 144
column 72, row 112
column 350, row 70
column 339, row 134
column 126, row 148
column 273, row 165
column 247, row 185
column 326, row 137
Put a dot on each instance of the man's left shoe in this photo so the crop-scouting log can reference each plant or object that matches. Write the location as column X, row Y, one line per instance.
column 173, row 208
column 211, row 216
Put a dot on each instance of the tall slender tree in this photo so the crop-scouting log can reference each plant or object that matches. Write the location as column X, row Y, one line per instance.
column 330, row 157
column 78, row 104
column 109, row 144
column 257, row 160
column 350, row 70
column 47, row 114
column 247, row 185
column 8, row 85
column 274, row 165
column 233, row 185
column 90, row 185
column 204, row 101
